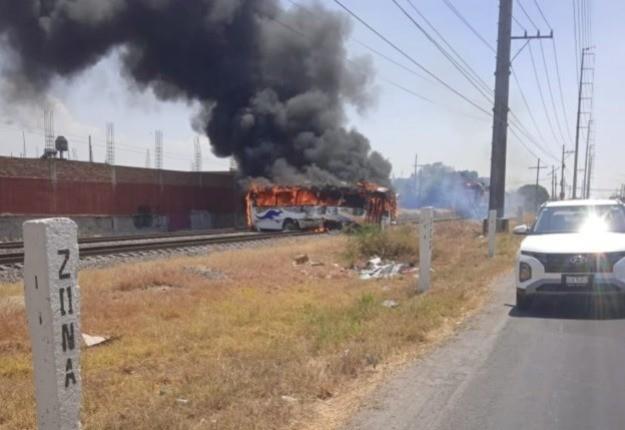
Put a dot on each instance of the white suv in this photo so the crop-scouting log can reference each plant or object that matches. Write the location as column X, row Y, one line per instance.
column 574, row 248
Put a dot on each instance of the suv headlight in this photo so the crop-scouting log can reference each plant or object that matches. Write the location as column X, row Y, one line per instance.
column 525, row 272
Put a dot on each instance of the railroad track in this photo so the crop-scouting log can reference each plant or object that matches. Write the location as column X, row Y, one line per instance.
column 127, row 238
column 186, row 242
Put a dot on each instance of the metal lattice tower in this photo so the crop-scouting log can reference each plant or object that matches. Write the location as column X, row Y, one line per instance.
column 110, row 144
column 197, row 165
column 48, row 125
column 158, row 150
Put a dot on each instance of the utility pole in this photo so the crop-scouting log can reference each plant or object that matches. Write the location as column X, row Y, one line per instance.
column 416, row 170
column 500, row 112
column 577, row 128
column 591, row 159
column 586, row 160
column 562, row 177
column 158, row 150
column 110, row 144
column 553, row 183
column 24, row 143
column 90, row 150
column 538, row 168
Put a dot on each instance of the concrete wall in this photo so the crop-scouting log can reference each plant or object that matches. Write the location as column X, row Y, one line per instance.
column 88, row 226
column 111, row 199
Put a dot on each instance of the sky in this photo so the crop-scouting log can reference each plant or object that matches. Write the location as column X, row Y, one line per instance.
column 399, row 123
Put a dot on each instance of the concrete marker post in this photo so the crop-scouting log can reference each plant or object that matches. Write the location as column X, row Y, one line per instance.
column 492, row 232
column 425, row 248
column 53, row 310
column 520, row 216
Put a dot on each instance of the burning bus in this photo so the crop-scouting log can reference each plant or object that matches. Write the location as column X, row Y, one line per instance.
column 282, row 207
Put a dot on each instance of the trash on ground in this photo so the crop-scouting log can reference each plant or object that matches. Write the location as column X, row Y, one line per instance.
column 91, row 341
column 205, row 272
column 301, row 259
column 289, row 399
column 390, row 304
column 377, row 269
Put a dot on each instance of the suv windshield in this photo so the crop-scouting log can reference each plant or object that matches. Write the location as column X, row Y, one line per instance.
column 581, row 219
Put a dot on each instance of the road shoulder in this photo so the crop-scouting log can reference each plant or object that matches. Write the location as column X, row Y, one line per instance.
column 419, row 395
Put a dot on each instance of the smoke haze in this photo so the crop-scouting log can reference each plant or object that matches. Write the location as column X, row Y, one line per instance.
column 272, row 83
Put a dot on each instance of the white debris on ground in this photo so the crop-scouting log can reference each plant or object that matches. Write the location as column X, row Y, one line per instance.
column 378, row 269
column 91, row 341
column 391, row 304
column 289, row 399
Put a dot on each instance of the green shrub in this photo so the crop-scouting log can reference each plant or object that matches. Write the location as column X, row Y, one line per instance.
column 394, row 243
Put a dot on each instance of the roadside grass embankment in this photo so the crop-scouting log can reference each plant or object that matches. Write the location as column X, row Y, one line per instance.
column 245, row 339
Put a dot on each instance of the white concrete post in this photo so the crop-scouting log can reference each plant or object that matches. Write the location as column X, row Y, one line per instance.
column 520, row 216
column 425, row 248
column 492, row 232
column 53, row 310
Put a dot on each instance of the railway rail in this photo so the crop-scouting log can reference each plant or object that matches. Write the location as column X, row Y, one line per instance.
column 102, row 246
column 122, row 247
column 135, row 237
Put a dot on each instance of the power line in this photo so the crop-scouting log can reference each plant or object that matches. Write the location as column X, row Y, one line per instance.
column 517, row 22
column 514, row 118
column 553, row 100
column 562, row 103
column 542, row 14
column 576, row 39
column 456, row 12
column 530, row 111
column 527, row 15
column 462, row 70
column 542, row 96
column 357, row 41
column 520, row 126
column 459, row 56
column 558, row 75
column 388, row 81
column 411, row 59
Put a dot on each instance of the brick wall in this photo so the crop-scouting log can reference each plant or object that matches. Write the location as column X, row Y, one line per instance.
column 58, row 187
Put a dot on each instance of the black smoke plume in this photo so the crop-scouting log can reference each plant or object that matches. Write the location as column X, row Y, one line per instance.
column 272, row 83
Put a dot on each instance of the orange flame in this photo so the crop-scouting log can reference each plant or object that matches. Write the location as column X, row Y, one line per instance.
column 376, row 201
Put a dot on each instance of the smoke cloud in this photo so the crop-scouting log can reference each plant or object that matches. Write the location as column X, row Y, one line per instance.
column 272, row 83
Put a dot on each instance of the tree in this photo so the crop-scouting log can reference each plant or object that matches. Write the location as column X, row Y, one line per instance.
column 531, row 197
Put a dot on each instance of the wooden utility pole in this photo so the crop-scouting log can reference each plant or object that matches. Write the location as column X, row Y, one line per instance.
column 500, row 112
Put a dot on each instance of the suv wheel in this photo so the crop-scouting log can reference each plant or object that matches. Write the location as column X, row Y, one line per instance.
column 523, row 301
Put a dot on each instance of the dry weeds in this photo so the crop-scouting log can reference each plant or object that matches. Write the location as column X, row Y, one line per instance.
column 256, row 348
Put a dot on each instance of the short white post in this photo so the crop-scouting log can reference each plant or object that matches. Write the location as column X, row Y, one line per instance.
column 492, row 232
column 519, row 216
column 53, row 310
column 425, row 248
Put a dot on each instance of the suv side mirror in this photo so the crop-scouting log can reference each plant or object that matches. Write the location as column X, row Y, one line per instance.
column 521, row 230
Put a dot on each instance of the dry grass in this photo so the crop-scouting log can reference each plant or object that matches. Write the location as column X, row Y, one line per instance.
column 234, row 345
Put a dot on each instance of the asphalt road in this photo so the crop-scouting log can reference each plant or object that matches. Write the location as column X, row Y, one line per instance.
column 558, row 366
